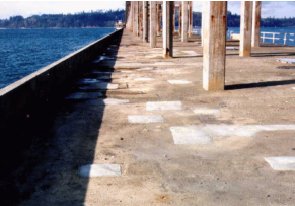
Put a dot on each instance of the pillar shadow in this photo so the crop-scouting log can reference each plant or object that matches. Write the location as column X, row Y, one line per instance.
column 55, row 141
column 259, row 84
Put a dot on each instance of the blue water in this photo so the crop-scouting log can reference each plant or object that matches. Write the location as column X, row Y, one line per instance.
column 23, row 51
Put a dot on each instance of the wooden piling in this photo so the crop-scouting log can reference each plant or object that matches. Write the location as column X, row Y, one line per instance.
column 245, row 28
column 214, row 45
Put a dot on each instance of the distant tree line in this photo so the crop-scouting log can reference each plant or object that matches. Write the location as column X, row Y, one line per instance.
column 108, row 18
column 233, row 20
column 90, row 19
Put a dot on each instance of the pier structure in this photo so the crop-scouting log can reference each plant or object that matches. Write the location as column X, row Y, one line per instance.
column 121, row 122
column 214, row 49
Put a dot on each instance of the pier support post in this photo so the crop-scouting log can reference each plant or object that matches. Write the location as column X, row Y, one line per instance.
column 214, row 45
column 245, row 28
column 191, row 18
column 145, row 21
column 179, row 18
column 135, row 18
column 159, row 15
column 140, row 19
column 153, row 24
column 184, row 21
column 167, row 28
column 203, row 22
column 256, row 22
column 130, row 16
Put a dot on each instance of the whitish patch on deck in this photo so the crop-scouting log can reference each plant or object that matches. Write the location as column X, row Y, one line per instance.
column 163, row 105
column 293, row 88
column 286, row 60
column 143, row 79
column 281, row 162
column 145, row 119
column 179, row 81
column 189, row 135
column 100, row 170
column 207, row 111
column 101, row 85
column 113, row 101
column 212, row 131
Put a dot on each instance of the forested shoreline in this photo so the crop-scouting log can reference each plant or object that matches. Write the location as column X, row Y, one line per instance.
column 108, row 18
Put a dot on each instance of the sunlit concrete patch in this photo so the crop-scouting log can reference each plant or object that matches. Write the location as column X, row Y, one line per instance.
column 163, row 105
column 212, row 131
column 231, row 48
column 281, row 162
column 113, row 101
column 100, row 170
column 286, row 60
column 189, row 135
column 83, row 95
column 143, row 79
column 100, row 85
column 145, row 119
column 207, row 111
column 193, row 53
column 179, row 81
column 223, row 130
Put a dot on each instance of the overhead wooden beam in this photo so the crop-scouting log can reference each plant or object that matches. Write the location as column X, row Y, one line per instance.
column 245, row 28
column 256, row 23
column 214, row 45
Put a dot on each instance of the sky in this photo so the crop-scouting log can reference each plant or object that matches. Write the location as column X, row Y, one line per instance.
column 28, row 7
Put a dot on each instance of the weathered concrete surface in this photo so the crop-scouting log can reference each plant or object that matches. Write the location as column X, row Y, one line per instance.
column 229, row 171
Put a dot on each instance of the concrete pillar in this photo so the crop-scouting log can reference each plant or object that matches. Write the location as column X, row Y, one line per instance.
column 131, row 16
column 137, row 28
column 140, row 18
column 153, row 24
column 135, row 17
column 190, row 33
column 145, row 21
column 203, row 21
column 245, row 28
column 173, row 18
column 256, row 22
column 167, row 28
column 159, row 16
column 184, row 21
column 214, row 45
column 179, row 18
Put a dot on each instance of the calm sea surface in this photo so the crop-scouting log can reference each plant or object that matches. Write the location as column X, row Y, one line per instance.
column 23, row 51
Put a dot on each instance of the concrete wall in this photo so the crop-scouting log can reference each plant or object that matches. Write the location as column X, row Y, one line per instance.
column 20, row 98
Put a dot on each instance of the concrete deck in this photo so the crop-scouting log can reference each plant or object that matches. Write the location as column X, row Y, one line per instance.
column 220, row 161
